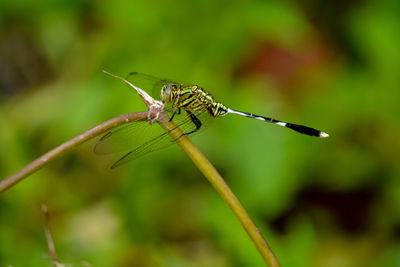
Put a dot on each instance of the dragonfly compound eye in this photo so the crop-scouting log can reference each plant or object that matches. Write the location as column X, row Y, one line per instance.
column 166, row 93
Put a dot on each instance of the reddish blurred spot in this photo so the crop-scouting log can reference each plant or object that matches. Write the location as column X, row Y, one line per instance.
column 287, row 67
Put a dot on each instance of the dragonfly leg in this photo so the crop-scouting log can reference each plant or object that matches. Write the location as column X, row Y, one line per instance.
column 176, row 111
column 196, row 122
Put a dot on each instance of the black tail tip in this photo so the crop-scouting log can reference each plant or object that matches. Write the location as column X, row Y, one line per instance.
column 307, row 130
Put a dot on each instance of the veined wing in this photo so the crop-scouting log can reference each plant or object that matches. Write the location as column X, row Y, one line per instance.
column 156, row 143
column 142, row 138
column 125, row 137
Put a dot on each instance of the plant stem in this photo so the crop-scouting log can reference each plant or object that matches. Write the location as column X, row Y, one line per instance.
column 223, row 190
column 49, row 238
column 67, row 146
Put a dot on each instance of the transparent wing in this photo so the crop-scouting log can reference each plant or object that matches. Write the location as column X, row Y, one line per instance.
column 127, row 136
column 158, row 142
column 140, row 138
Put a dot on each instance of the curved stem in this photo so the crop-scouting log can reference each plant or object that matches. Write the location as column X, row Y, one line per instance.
column 67, row 146
column 223, row 190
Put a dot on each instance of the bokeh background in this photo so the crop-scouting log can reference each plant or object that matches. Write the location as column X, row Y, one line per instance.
column 332, row 65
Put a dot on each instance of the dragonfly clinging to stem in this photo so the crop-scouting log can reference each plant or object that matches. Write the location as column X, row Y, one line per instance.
column 197, row 105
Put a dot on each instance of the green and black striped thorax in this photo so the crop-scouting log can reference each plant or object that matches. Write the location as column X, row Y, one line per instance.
column 192, row 98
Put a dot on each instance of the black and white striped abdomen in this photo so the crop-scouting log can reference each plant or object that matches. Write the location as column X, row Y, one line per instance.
column 295, row 127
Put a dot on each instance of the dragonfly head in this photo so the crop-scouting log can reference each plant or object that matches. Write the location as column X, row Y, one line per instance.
column 167, row 93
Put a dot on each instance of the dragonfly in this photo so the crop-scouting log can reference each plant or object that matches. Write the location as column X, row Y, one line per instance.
column 189, row 106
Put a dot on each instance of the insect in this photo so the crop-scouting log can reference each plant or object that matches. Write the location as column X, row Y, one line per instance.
column 189, row 106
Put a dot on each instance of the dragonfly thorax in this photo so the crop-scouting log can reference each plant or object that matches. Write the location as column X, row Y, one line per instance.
column 193, row 99
column 196, row 100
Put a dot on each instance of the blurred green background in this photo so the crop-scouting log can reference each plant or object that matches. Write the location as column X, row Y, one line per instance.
column 332, row 65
